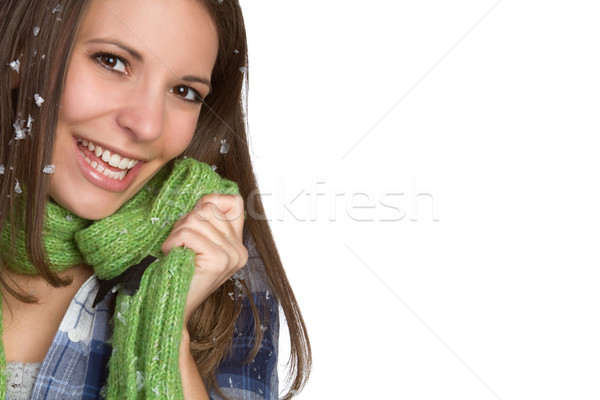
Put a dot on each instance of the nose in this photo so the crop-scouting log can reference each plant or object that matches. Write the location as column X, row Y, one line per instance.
column 143, row 115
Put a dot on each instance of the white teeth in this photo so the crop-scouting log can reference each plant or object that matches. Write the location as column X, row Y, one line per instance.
column 115, row 175
column 113, row 159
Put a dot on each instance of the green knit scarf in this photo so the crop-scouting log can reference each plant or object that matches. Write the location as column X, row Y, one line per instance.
column 148, row 325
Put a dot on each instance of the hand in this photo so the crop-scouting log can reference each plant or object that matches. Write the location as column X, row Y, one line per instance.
column 213, row 229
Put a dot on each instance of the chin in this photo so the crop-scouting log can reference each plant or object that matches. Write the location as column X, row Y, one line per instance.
column 90, row 210
column 94, row 215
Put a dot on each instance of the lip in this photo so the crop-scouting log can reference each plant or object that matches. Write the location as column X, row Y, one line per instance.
column 101, row 180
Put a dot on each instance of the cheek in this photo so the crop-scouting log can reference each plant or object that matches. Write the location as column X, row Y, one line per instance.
column 180, row 134
column 80, row 98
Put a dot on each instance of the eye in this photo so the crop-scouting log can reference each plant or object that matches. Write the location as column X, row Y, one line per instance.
column 112, row 62
column 187, row 93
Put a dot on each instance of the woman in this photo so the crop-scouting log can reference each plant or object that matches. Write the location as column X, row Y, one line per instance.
column 99, row 97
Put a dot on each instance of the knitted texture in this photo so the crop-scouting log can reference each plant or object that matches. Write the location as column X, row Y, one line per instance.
column 148, row 325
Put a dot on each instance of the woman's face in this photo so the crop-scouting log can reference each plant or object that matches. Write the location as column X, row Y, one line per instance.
column 131, row 99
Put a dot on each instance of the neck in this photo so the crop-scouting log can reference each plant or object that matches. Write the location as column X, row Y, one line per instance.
column 36, row 286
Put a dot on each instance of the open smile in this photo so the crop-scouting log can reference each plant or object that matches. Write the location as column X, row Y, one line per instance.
column 106, row 168
column 104, row 159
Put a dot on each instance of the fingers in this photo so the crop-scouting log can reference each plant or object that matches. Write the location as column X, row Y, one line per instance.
column 209, row 242
column 213, row 230
column 229, row 206
column 217, row 220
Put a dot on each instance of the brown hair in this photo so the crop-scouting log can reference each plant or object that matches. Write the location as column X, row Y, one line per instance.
column 43, row 60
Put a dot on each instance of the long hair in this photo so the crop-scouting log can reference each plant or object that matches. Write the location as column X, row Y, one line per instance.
column 36, row 38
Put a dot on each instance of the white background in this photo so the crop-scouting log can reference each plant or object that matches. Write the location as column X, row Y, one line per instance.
column 481, row 283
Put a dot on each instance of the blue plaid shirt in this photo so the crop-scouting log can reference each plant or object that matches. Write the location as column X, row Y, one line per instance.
column 75, row 366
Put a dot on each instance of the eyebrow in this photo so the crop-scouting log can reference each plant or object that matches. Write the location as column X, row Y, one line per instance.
column 117, row 43
column 135, row 54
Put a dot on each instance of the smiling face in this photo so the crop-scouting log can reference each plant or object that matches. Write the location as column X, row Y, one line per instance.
column 131, row 100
